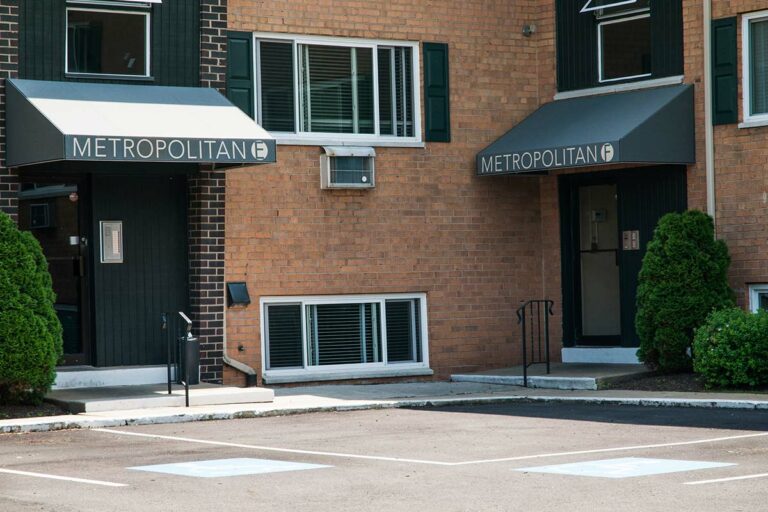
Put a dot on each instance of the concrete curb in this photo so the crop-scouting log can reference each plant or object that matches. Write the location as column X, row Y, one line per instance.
column 83, row 422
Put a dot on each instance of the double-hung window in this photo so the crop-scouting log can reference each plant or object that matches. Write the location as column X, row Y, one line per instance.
column 755, row 66
column 329, row 89
column 108, row 41
column 317, row 338
column 624, row 40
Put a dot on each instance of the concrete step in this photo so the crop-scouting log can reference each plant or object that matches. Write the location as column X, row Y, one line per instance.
column 564, row 376
column 122, row 398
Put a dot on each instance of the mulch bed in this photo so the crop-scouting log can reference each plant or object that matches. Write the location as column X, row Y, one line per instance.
column 685, row 382
column 29, row 411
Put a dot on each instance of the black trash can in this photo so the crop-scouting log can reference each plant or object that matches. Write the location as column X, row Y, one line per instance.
column 189, row 352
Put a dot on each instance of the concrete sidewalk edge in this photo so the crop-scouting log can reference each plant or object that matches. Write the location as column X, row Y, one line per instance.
column 52, row 423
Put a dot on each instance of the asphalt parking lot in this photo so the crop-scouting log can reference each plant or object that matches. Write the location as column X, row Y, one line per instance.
column 538, row 457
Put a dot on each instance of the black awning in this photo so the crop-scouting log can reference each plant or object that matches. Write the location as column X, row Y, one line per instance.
column 54, row 121
column 653, row 126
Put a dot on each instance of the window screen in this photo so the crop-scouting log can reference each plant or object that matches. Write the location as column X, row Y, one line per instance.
column 343, row 334
column 403, row 330
column 277, row 90
column 284, row 336
column 625, row 48
column 104, row 42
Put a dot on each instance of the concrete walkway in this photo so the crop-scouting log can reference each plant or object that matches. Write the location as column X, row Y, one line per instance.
column 564, row 376
column 357, row 397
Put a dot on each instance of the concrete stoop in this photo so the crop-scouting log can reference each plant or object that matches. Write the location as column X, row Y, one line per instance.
column 121, row 398
column 564, row 376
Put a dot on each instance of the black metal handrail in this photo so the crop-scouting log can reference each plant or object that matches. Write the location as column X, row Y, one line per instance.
column 530, row 316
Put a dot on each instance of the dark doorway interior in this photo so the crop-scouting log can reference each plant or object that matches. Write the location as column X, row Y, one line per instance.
column 56, row 213
column 606, row 222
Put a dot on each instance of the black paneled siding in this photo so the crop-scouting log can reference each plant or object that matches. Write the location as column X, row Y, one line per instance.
column 130, row 296
column 577, row 43
column 175, row 42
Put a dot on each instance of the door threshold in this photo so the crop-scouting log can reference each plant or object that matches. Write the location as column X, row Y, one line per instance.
column 603, row 355
column 73, row 377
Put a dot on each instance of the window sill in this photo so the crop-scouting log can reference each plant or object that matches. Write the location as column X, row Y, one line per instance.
column 382, row 143
column 99, row 76
column 754, row 123
column 628, row 86
column 288, row 376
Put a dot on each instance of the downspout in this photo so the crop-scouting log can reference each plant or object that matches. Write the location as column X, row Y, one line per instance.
column 709, row 142
column 251, row 378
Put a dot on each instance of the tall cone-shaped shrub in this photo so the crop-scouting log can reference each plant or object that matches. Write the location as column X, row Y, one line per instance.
column 682, row 280
column 30, row 332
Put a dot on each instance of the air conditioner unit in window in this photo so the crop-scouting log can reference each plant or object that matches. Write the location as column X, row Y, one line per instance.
column 347, row 167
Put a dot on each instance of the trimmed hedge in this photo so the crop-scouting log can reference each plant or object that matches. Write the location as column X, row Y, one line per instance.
column 731, row 349
column 683, row 279
column 30, row 332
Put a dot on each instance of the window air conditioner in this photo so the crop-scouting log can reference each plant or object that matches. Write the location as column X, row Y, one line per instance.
column 347, row 167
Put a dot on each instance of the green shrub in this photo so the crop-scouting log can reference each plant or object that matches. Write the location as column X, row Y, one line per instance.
column 30, row 332
column 731, row 349
column 683, row 279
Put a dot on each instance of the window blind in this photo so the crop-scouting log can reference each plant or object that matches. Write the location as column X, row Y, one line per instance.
column 277, row 89
column 284, row 336
column 758, row 40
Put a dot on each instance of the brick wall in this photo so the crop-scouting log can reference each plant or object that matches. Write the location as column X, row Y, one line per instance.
column 206, row 210
column 9, row 66
column 430, row 225
column 741, row 179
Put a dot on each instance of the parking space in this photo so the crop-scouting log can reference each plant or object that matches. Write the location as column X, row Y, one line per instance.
column 495, row 457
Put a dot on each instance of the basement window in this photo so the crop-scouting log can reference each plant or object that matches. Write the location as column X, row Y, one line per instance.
column 107, row 42
column 332, row 338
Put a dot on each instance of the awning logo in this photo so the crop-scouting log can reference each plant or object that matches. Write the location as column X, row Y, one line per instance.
column 607, row 152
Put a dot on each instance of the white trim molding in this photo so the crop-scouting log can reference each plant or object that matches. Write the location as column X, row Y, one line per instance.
column 631, row 86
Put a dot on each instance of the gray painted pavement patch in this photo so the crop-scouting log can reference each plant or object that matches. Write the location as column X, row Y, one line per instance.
column 227, row 467
column 625, row 467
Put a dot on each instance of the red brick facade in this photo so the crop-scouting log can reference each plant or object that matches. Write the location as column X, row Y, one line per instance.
column 476, row 246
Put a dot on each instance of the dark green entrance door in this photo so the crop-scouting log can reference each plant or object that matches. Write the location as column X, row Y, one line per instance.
column 140, row 264
column 606, row 222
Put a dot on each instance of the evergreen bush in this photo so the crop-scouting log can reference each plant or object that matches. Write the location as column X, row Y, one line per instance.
column 683, row 278
column 731, row 349
column 30, row 332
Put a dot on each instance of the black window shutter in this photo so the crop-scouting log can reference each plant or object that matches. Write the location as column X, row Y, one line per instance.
column 666, row 38
column 576, row 43
column 436, row 93
column 725, row 81
column 240, row 70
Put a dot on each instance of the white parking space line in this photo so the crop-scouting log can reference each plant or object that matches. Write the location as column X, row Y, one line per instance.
column 430, row 462
column 617, row 449
column 731, row 479
column 272, row 449
column 65, row 478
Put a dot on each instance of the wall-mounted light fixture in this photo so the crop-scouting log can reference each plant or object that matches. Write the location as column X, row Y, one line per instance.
column 237, row 295
column 529, row 29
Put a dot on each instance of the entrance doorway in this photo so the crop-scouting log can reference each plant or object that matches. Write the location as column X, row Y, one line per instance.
column 116, row 247
column 606, row 222
column 56, row 213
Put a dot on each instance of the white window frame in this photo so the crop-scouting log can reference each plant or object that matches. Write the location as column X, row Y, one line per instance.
column 357, row 139
column 749, row 119
column 613, row 21
column 755, row 290
column 147, row 47
column 344, row 371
